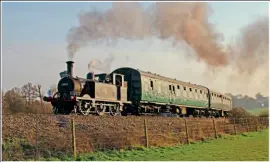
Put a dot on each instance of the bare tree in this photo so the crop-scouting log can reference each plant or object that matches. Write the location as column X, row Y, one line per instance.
column 40, row 94
column 29, row 92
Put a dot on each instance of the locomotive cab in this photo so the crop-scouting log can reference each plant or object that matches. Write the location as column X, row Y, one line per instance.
column 118, row 80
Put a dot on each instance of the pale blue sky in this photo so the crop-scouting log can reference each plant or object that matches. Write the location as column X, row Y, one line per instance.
column 36, row 32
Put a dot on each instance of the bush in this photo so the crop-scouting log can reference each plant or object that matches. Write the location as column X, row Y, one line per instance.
column 240, row 112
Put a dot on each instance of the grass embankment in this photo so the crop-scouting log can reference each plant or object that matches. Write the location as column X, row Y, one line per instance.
column 259, row 111
column 244, row 147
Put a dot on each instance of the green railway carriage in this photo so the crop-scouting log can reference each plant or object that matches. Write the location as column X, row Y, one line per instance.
column 152, row 90
column 220, row 101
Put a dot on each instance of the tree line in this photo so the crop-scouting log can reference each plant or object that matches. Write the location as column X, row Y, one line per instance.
column 248, row 102
column 27, row 99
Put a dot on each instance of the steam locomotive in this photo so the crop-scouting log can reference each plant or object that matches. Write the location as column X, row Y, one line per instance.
column 129, row 91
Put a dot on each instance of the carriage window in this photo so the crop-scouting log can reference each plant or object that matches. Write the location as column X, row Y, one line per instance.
column 151, row 84
column 190, row 89
column 178, row 87
column 170, row 87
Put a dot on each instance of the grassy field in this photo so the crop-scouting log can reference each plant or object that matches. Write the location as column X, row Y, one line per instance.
column 258, row 111
column 244, row 147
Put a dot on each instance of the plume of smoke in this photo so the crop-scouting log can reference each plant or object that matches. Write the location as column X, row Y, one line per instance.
column 104, row 66
column 250, row 57
column 242, row 69
column 252, row 48
column 123, row 20
column 189, row 22
column 181, row 21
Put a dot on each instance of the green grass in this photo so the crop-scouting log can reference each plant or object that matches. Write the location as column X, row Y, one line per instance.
column 244, row 147
column 258, row 111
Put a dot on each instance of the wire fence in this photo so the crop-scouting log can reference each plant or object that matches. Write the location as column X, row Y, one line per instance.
column 35, row 137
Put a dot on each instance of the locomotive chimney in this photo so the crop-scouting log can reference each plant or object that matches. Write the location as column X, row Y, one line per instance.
column 70, row 67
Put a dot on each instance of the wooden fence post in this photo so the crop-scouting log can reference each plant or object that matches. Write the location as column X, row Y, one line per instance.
column 259, row 124
column 247, row 124
column 234, row 126
column 215, row 130
column 146, row 134
column 266, row 122
column 186, row 131
column 263, row 125
column 73, row 138
column 199, row 130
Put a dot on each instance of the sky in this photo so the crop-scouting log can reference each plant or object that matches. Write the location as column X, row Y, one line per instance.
column 34, row 37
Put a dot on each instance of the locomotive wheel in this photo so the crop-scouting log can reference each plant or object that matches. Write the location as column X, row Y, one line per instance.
column 114, row 110
column 55, row 110
column 100, row 110
column 83, row 108
column 123, row 113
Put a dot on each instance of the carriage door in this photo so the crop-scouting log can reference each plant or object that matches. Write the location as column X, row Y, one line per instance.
column 118, row 81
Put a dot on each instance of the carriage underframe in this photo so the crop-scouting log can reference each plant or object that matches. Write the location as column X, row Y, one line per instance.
column 88, row 106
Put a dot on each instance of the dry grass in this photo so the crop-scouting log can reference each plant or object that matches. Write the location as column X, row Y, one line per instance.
column 94, row 132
